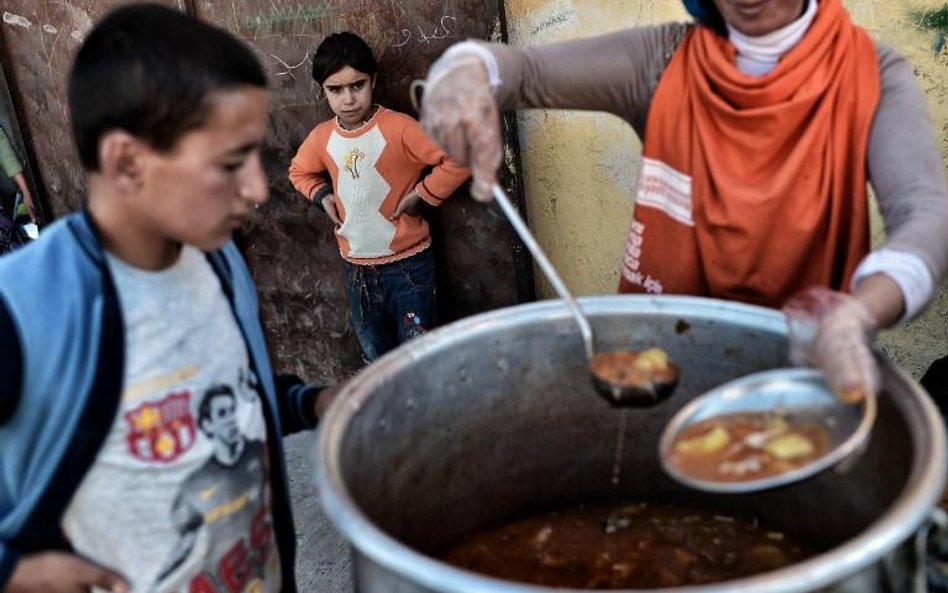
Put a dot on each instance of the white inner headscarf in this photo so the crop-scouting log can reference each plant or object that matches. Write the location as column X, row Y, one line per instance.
column 757, row 56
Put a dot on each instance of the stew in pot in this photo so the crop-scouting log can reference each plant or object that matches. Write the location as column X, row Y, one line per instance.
column 629, row 546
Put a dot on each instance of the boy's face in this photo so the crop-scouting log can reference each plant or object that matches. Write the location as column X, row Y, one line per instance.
column 204, row 188
column 349, row 93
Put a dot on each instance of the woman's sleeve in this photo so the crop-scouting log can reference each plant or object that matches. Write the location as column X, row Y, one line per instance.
column 905, row 168
column 616, row 73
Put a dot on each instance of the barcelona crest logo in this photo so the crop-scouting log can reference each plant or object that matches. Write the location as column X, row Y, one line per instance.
column 161, row 431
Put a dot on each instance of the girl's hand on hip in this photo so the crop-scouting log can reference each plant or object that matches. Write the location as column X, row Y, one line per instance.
column 329, row 205
column 409, row 203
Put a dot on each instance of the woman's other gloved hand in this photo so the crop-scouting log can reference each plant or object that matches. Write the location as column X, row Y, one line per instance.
column 834, row 332
column 460, row 113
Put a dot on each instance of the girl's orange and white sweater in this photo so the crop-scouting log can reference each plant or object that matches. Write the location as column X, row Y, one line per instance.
column 369, row 170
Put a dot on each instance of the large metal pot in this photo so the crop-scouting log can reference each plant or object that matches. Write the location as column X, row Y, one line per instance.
column 494, row 416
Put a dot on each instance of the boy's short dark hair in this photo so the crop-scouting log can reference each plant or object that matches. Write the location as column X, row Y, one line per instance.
column 340, row 50
column 149, row 70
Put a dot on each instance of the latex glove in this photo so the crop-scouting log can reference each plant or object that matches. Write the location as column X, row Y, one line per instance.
column 833, row 332
column 329, row 205
column 460, row 113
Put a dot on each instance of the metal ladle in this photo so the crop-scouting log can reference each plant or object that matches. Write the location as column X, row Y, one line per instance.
column 614, row 374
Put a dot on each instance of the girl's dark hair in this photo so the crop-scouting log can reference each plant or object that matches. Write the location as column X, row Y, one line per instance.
column 340, row 50
column 706, row 13
column 149, row 70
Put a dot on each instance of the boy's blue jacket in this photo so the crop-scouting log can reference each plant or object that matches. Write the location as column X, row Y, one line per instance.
column 61, row 369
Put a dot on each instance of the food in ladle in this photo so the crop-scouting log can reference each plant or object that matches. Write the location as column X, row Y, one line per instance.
column 747, row 446
column 627, row 368
column 627, row 546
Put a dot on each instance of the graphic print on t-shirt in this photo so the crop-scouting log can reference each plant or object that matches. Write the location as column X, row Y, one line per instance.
column 161, row 431
column 224, row 504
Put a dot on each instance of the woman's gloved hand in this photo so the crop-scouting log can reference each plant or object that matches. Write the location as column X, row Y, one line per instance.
column 834, row 332
column 460, row 113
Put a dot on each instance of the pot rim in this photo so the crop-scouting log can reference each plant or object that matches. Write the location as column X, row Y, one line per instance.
column 906, row 514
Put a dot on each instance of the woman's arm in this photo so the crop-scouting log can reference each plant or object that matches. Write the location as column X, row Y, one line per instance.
column 882, row 298
column 615, row 73
column 907, row 174
column 468, row 86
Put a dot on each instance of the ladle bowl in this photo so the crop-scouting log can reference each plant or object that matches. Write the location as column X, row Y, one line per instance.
column 791, row 392
column 645, row 390
column 641, row 390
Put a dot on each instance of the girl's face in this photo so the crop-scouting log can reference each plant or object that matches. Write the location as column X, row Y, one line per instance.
column 349, row 93
column 759, row 17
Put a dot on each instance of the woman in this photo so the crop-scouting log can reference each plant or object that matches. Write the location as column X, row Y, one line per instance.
column 761, row 127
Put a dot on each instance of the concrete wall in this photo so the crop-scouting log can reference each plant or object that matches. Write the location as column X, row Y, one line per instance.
column 579, row 168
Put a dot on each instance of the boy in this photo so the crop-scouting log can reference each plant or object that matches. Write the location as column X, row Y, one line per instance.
column 130, row 341
column 363, row 167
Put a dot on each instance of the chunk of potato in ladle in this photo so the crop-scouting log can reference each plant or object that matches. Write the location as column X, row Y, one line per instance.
column 626, row 378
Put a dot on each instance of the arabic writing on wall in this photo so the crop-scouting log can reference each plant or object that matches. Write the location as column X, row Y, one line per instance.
column 321, row 19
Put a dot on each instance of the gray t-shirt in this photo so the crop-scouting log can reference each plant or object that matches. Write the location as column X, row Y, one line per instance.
column 178, row 498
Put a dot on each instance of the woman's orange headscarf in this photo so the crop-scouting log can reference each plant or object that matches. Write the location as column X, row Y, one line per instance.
column 753, row 188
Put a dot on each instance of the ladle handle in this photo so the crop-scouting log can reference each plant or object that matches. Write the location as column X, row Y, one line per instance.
column 548, row 270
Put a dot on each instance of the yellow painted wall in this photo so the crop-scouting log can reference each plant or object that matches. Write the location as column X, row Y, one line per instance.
column 579, row 168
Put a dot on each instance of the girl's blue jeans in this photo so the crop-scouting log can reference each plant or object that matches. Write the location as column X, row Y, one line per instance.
column 391, row 303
